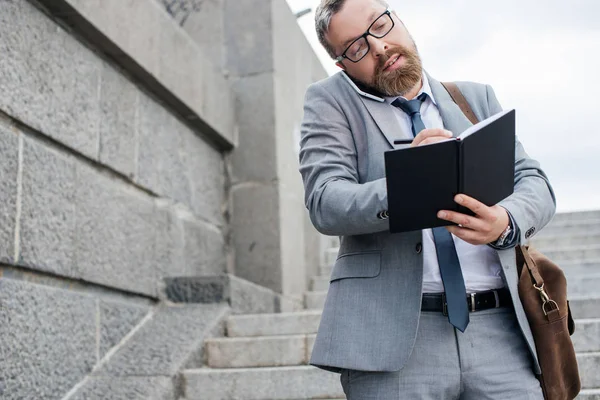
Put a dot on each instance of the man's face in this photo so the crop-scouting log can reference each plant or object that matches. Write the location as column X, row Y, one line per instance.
column 378, row 68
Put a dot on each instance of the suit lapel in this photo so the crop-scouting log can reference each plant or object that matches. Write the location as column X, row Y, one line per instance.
column 452, row 116
column 384, row 118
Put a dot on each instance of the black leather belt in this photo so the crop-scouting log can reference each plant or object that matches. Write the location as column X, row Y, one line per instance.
column 476, row 301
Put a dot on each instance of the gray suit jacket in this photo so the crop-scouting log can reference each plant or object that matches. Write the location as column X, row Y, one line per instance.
column 373, row 305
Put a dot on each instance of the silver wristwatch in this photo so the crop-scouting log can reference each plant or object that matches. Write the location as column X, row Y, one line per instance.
column 502, row 239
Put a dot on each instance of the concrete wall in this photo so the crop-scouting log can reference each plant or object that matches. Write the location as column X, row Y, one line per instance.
column 270, row 64
column 143, row 143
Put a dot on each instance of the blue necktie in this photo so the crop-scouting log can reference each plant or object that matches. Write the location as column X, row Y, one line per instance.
column 452, row 278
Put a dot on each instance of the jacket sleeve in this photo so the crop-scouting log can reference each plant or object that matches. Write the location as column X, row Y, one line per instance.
column 337, row 203
column 533, row 204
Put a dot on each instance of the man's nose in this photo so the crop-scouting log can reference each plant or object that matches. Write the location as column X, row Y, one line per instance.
column 378, row 46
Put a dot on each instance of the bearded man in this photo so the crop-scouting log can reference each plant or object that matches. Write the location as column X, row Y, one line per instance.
column 388, row 325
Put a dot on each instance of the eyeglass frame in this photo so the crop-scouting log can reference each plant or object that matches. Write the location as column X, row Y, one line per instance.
column 387, row 12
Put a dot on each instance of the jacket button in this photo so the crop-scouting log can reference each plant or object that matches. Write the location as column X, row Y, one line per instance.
column 419, row 248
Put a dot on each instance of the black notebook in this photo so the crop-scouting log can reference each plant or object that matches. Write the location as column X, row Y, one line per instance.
column 423, row 180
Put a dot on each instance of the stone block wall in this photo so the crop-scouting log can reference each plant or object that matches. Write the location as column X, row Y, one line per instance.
column 141, row 141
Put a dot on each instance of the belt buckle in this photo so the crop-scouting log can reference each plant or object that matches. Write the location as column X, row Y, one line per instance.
column 497, row 298
column 472, row 296
column 444, row 305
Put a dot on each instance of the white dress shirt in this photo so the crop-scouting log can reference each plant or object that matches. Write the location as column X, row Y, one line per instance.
column 480, row 264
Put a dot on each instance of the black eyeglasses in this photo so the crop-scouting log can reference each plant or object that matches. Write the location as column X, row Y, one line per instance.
column 359, row 48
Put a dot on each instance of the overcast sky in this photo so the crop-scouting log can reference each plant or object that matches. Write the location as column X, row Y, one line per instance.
column 541, row 58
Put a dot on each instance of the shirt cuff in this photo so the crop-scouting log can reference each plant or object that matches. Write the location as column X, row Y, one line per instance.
column 512, row 239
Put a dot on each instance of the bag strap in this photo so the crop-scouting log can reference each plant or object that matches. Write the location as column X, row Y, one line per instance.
column 531, row 266
column 460, row 100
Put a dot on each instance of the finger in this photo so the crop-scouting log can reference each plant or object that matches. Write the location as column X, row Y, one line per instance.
column 466, row 221
column 427, row 133
column 474, row 205
column 432, row 140
column 467, row 235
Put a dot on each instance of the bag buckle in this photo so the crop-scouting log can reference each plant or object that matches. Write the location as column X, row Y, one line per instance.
column 546, row 300
column 472, row 296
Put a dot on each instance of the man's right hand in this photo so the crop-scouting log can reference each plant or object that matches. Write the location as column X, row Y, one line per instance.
column 429, row 136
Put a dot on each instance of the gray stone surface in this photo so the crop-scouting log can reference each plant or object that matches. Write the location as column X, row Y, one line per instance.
column 47, row 78
column 319, row 283
column 244, row 297
column 255, row 157
column 301, row 382
column 166, row 342
column 204, row 248
column 304, row 322
column 160, row 164
column 255, row 230
column 548, row 242
column 585, row 307
column 582, row 285
column 48, row 340
column 9, row 160
column 273, row 351
column 589, row 394
column 205, row 170
column 203, row 21
column 115, row 233
column 315, row 300
column 145, row 40
column 248, row 36
column 130, row 388
column 587, row 335
column 116, row 320
column 118, row 109
column 175, row 163
column 198, row 289
column 578, row 252
column 325, row 270
column 589, row 364
column 247, row 297
column 48, row 210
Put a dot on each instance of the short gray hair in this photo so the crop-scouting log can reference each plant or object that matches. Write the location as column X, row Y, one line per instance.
column 325, row 11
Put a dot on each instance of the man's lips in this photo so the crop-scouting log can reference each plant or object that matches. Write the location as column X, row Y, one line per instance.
column 393, row 62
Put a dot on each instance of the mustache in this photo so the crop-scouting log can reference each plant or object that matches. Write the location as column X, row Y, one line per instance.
column 384, row 58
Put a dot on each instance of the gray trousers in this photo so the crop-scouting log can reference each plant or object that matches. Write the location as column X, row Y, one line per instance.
column 489, row 360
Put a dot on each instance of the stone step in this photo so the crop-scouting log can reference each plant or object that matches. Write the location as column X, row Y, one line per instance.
column 589, row 394
column 584, row 252
column 319, row 283
column 576, row 216
column 326, row 270
column 589, row 370
column 263, row 351
column 296, row 323
column 331, row 255
column 567, row 230
column 550, row 241
column 284, row 383
column 581, row 285
column 315, row 300
column 585, row 307
column 587, row 335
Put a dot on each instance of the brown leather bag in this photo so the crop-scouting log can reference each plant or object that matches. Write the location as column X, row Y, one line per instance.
column 543, row 293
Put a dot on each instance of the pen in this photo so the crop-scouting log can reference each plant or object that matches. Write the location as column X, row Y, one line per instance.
column 403, row 141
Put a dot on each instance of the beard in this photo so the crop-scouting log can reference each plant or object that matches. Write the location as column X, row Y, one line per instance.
column 403, row 79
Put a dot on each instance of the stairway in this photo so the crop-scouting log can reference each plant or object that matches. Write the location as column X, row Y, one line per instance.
column 265, row 356
column 572, row 240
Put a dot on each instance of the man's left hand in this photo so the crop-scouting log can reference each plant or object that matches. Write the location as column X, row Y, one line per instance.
column 485, row 227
